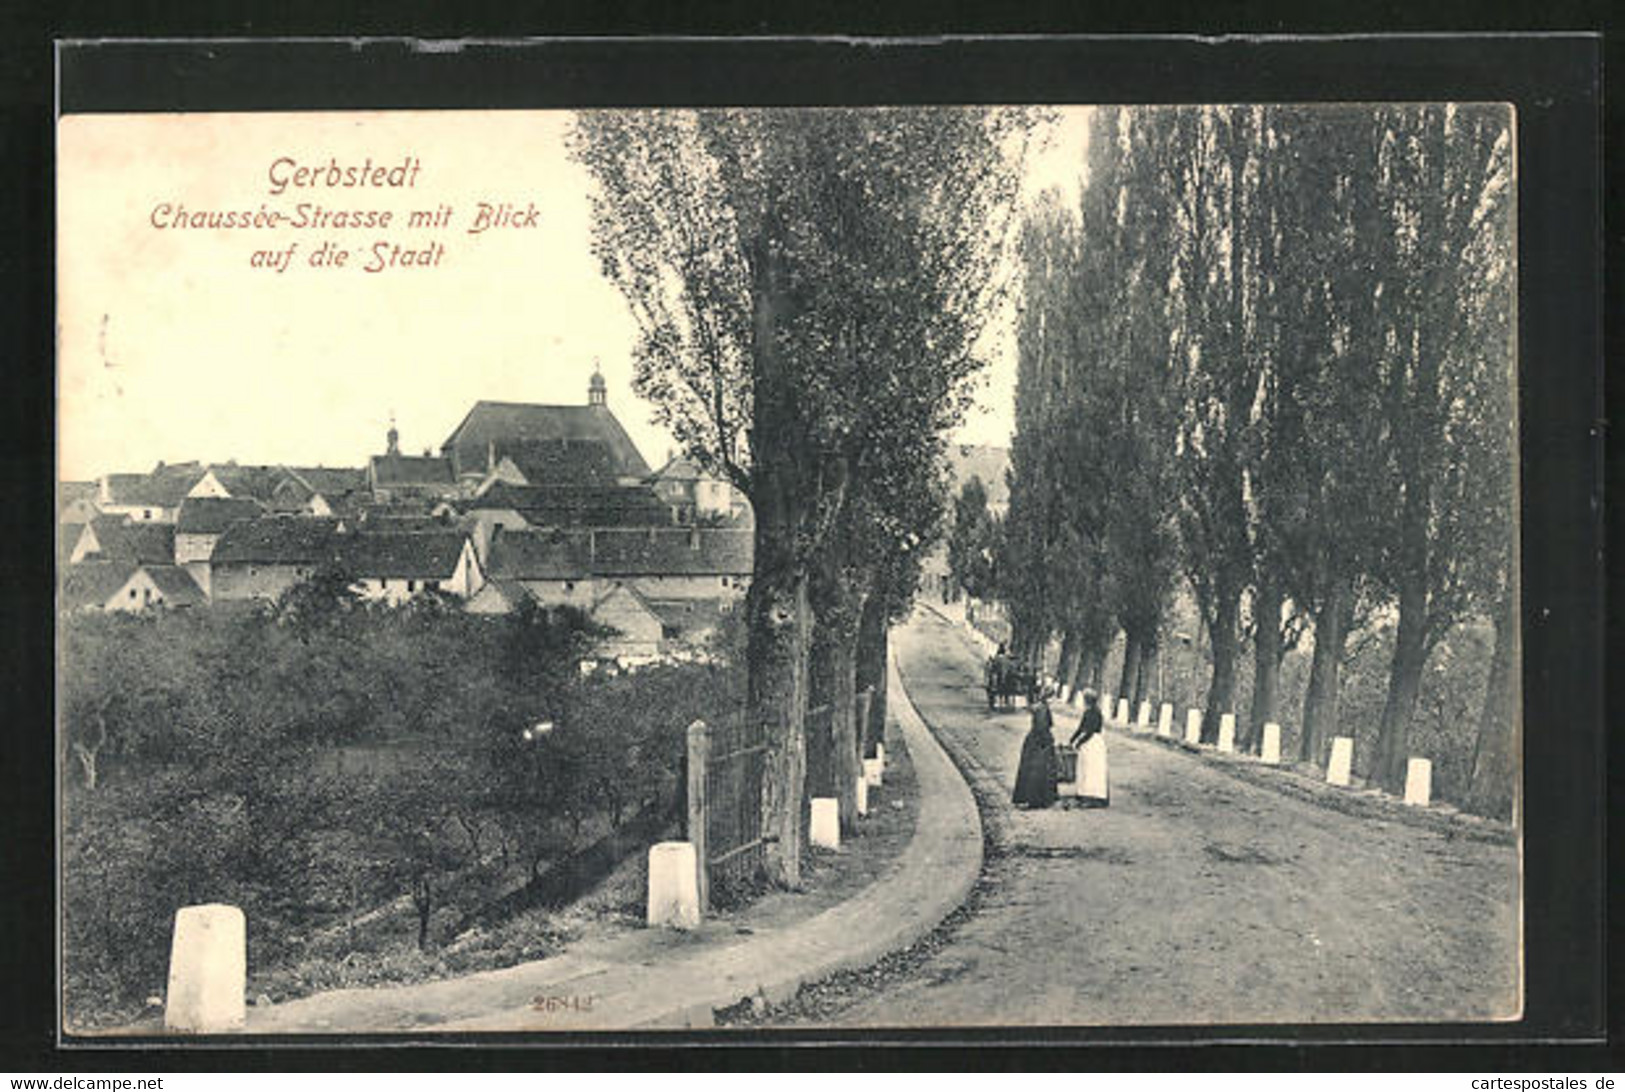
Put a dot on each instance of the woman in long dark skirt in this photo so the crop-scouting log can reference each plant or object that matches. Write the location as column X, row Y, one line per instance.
column 1035, row 776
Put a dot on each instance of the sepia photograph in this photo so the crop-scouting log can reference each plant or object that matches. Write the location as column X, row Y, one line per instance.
column 750, row 568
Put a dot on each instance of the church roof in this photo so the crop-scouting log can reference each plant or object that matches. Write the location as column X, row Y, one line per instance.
column 523, row 423
column 408, row 470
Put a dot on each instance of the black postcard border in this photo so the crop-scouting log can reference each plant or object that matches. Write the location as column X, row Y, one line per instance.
column 1552, row 80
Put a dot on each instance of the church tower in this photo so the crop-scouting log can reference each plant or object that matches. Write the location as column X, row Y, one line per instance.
column 393, row 436
column 595, row 387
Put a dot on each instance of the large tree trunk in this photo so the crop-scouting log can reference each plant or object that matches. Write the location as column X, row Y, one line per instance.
column 1142, row 678
column 1404, row 684
column 1067, row 665
column 778, row 612
column 871, row 669
column 833, row 755
column 1320, row 700
column 1221, row 694
column 1131, row 666
column 1494, row 788
column 1266, row 664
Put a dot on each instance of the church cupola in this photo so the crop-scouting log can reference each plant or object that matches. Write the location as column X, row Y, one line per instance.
column 595, row 387
column 393, row 436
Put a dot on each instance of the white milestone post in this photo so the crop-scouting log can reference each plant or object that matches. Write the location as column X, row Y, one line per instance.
column 1341, row 767
column 1419, row 782
column 826, row 822
column 1271, row 753
column 1165, row 721
column 1144, row 720
column 1122, row 710
column 1193, row 727
column 674, row 885
column 208, row 970
column 1227, row 733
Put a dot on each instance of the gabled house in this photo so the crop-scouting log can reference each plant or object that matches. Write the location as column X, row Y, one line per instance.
column 152, row 586
column 114, row 538
column 394, row 567
column 199, row 525
column 154, row 497
column 91, row 585
column 693, row 495
column 554, row 567
column 676, row 563
column 635, row 628
column 76, row 503
column 262, row 558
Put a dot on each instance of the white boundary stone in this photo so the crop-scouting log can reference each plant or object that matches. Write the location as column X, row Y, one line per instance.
column 1341, row 766
column 1144, row 721
column 874, row 772
column 826, row 822
column 674, row 885
column 1419, row 782
column 1165, row 720
column 1227, row 733
column 208, row 970
column 861, row 785
column 1193, row 726
column 1122, row 711
column 1271, row 752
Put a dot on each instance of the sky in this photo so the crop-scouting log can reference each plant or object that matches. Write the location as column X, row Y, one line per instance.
column 178, row 343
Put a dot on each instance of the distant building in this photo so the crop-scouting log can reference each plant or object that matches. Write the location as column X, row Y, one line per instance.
column 397, row 566
column 154, row 497
column 199, row 525
column 114, row 538
column 76, row 503
column 577, row 567
column 262, row 558
column 693, row 495
column 126, row 586
column 545, row 444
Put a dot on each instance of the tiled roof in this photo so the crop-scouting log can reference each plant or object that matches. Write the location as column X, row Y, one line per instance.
column 286, row 540
column 575, row 554
column 258, row 482
column 410, row 470
column 539, row 555
column 672, row 552
column 67, row 493
column 688, row 614
column 330, row 481
column 163, row 487
column 561, row 462
column 212, row 515
column 139, row 542
column 578, row 506
column 420, row 556
column 92, row 583
column 508, row 423
column 176, row 584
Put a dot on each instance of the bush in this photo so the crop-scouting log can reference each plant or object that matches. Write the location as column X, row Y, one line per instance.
column 215, row 740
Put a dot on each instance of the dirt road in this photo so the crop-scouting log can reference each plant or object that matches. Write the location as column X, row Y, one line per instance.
column 1195, row 898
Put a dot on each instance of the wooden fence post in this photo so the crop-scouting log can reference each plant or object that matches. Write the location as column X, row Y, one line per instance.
column 699, row 757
